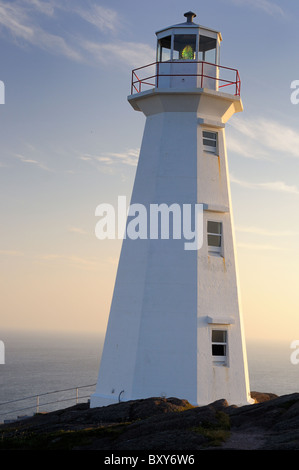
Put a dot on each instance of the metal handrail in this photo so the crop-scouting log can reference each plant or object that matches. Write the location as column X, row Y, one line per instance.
column 37, row 405
column 137, row 82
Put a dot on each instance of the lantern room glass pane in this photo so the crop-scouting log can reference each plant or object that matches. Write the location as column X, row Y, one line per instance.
column 184, row 47
column 165, row 49
column 210, row 56
column 207, row 49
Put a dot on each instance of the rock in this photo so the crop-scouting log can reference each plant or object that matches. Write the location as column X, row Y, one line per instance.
column 166, row 424
column 261, row 397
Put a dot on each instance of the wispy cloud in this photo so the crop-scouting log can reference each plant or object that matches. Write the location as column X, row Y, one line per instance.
column 104, row 19
column 77, row 230
column 129, row 157
column 271, row 136
column 73, row 260
column 265, row 232
column 278, row 186
column 247, row 149
column 265, row 5
column 11, row 253
column 21, row 19
column 77, row 261
column 260, row 247
column 31, row 161
column 44, row 7
column 15, row 17
column 260, row 233
column 129, row 53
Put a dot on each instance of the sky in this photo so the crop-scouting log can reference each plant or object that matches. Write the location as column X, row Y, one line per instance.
column 70, row 141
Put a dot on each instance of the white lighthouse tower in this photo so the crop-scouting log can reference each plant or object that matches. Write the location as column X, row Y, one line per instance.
column 175, row 326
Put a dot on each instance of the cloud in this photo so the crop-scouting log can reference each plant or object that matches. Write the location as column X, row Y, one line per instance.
column 13, row 18
column 31, row 161
column 268, row 7
column 17, row 19
column 77, row 230
column 11, row 253
column 55, row 44
column 262, row 138
column 278, row 186
column 130, row 53
column 68, row 259
column 129, row 157
column 77, row 261
column 247, row 149
column 46, row 8
column 22, row 20
column 102, row 18
column 265, row 232
column 256, row 246
column 268, row 234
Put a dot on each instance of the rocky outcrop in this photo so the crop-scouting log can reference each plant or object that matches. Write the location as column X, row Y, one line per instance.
column 167, row 424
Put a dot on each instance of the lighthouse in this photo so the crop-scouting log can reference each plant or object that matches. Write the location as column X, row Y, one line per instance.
column 175, row 327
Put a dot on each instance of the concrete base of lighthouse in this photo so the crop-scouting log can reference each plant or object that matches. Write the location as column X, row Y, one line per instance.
column 167, row 300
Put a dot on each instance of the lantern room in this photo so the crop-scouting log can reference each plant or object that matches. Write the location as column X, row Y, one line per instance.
column 188, row 41
column 188, row 56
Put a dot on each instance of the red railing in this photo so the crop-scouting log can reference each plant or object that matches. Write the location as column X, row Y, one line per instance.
column 150, row 75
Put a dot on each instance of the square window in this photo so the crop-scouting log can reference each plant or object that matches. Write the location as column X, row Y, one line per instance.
column 214, row 232
column 210, row 141
column 219, row 336
column 219, row 345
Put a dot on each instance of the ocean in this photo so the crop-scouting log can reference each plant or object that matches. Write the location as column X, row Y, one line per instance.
column 39, row 363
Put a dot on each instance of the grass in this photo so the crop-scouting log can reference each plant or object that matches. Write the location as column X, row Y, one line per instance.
column 59, row 440
column 215, row 433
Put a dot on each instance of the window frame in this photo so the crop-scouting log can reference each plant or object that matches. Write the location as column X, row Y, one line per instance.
column 213, row 248
column 220, row 359
column 210, row 148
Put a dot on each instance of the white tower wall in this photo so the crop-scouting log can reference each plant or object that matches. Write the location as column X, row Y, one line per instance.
column 167, row 300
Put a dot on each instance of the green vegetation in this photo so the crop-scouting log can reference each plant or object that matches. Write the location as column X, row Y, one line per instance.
column 59, row 440
column 215, row 433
